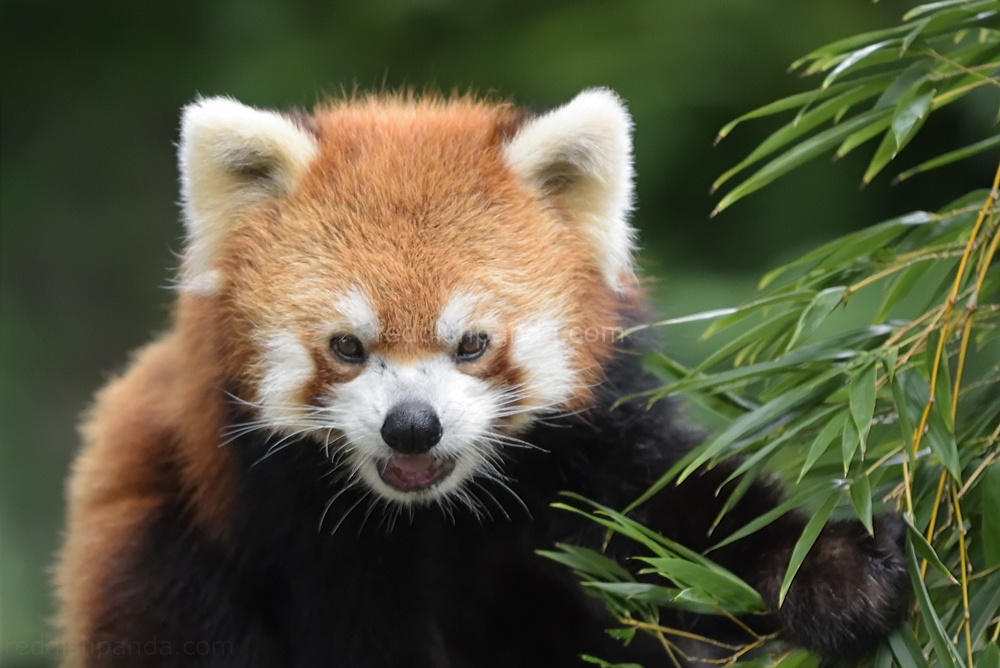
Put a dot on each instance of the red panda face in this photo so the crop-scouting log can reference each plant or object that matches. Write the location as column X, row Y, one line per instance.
column 411, row 283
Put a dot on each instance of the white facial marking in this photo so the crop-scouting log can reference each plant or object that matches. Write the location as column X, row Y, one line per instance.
column 457, row 318
column 288, row 366
column 541, row 352
column 357, row 316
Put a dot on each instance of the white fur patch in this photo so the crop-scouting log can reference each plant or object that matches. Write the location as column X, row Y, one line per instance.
column 231, row 157
column 584, row 149
column 458, row 317
column 206, row 283
column 288, row 367
column 541, row 352
column 466, row 406
column 358, row 316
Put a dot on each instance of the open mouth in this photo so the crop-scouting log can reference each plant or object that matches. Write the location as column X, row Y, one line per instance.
column 414, row 473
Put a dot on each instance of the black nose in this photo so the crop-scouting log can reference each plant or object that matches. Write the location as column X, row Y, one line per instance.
column 411, row 428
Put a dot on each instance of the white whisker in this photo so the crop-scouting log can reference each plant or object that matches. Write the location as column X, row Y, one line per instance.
column 351, row 510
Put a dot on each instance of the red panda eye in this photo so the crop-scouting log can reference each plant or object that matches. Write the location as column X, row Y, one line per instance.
column 472, row 346
column 348, row 348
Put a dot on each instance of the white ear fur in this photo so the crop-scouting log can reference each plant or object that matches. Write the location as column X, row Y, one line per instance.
column 582, row 154
column 231, row 157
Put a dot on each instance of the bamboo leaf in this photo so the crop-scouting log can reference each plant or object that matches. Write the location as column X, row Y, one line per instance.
column 913, row 34
column 861, row 499
column 797, row 659
column 863, row 135
column 799, row 100
column 795, row 360
column 848, row 44
column 807, row 495
column 950, row 157
column 588, row 561
column 806, row 541
column 790, row 433
column 948, row 225
column 623, row 524
column 926, row 551
column 734, row 497
column 920, row 10
column 857, row 245
column 811, row 391
column 855, row 58
column 889, row 361
column 984, row 605
column 901, row 286
column 944, row 21
column 814, row 314
column 942, row 441
column 695, row 317
column 850, row 439
column 942, row 389
column 903, row 130
column 863, row 393
column 943, row 648
column 990, row 656
column 822, row 442
column 731, row 592
column 629, row 531
column 906, row 648
column 990, row 490
column 803, row 123
column 909, row 394
column 909, row 113
column 799, row 154
column 601, row 663
column 885, row 152
column 909, row 78
column 750, row 308
column 854, row 245
column 666, row 597
column 882, row 658
column 839, row 347
column 765, row 331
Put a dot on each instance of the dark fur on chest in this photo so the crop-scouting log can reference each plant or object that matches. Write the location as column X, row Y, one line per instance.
column 325, row 574
column 321, row 570
column 444, row 585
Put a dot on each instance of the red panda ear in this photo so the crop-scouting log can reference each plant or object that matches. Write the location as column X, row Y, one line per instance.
column 231, row 158
column 580, row 154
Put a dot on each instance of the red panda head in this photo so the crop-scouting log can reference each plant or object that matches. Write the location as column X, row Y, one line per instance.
column 410, row 282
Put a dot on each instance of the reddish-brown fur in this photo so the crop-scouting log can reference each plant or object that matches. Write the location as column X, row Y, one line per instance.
column 153, row 433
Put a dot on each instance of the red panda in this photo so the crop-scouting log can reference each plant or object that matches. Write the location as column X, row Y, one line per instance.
column 394, row 343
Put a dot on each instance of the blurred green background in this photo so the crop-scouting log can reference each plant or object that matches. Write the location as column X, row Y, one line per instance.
column 90, row 230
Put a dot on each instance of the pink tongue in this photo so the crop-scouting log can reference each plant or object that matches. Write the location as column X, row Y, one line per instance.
column 412, row 464
column 410, row 472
